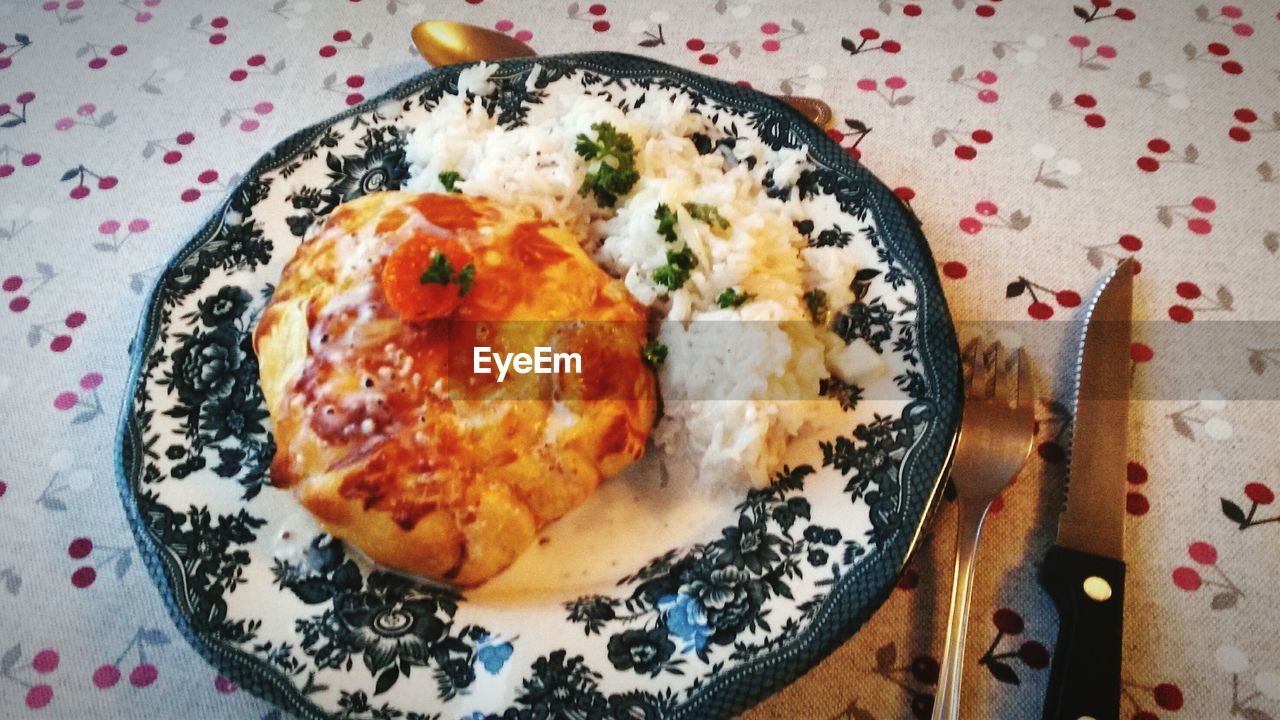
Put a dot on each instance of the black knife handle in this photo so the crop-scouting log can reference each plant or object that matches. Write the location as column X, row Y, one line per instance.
column 1084, row 680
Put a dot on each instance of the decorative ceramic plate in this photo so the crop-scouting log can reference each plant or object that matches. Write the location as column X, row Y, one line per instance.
column 695, row 608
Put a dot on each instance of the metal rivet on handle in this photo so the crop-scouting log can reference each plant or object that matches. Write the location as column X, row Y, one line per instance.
column 1097, row 589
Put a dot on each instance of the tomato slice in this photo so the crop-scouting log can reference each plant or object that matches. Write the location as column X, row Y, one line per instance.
column 402, row 283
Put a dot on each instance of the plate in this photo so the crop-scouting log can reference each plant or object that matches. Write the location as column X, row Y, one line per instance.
column 698, row 608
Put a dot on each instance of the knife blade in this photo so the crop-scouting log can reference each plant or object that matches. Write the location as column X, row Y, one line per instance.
column 1084, row 572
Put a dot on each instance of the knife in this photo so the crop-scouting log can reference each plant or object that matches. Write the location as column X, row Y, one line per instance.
column 1084, row 572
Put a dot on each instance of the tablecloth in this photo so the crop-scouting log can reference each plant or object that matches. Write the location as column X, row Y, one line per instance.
column 1037, row 142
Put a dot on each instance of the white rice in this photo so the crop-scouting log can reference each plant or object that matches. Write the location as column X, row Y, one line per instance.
column 732, row 398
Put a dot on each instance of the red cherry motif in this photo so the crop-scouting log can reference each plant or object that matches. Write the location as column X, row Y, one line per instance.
column 1186, row 578
column 1132, row 243
column 925, row 669
column 1034, row 654
column 1148, row 164
column 1181, row 313
column 143, row 675
column 966, row 152
column 80, row 548
column 1040, row 310
column 83, row 577
column 1067, row 298
column 954, row 269
column 1136, row 503
column 1136, row 473
column 1008, row 622
column 1259, row 493
column 1168, row 697
column 106, row 676
column 1203, row 553
column 39, row 696
column 1188, row 290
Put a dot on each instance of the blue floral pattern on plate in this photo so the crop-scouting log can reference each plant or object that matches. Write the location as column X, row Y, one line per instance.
column 705, row 629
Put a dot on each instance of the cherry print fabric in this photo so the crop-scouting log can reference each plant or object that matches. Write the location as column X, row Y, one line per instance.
column 1037, row 143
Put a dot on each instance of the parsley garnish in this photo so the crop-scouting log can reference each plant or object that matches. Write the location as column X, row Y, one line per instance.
column 816, row 300
column 440, row 272
column 654, row 353
column 616, row 173
column 666, row 218
column 676, row 271
column 707, row 214
column 730, row 297
column 466, row 278
column 449, row 179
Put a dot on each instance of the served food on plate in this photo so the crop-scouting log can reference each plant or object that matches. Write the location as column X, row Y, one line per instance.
column 355, row 350
column 645, row 240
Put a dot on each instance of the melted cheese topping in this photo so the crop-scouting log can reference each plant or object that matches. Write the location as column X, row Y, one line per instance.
column 390, row 440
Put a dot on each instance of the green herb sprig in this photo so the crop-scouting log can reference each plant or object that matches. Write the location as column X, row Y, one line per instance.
column 730, row 297
column 676, row 272
column 449, row 179
column 440, row 272
column 654, row 353
column 666, row 218
column 707, row 214
column 616, row 173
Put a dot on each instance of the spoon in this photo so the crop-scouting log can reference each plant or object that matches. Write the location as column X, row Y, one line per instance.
column 445, row 43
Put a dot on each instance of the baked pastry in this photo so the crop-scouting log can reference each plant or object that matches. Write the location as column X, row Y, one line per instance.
column 382, row 427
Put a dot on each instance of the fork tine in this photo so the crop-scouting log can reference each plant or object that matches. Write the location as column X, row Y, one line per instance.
column 1026, row 388
column 978, row 383
column 1004, row 384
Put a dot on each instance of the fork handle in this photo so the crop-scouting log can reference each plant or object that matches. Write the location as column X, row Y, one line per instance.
column 1084, row 680
column 970, row 515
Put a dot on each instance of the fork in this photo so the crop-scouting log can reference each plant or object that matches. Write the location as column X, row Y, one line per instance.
column 995, row 439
